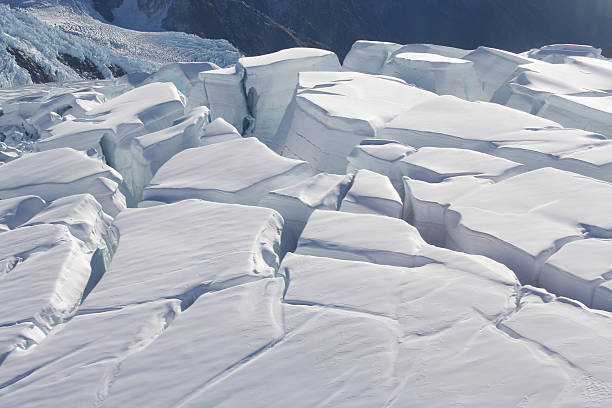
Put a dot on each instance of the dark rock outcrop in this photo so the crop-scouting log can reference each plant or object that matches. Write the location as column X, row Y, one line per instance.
column 249, row 29
column 85, row 68
column 105, row 8
column 38, row 74
column 116, row 70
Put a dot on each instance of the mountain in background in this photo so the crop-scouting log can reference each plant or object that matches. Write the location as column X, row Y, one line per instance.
column 262, row 26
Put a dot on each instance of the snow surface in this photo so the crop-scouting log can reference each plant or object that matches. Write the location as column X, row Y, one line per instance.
column 238, row 171
column 375, row 250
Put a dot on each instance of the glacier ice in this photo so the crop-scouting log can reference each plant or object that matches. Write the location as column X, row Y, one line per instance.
column 333, row 111
column 238, row 171
column 369, row 256
column 372, row 193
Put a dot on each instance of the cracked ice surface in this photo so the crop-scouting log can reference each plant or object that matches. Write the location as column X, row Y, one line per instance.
column 193, row 303
column 237, row 171
column 213, row 246
column 535, row 223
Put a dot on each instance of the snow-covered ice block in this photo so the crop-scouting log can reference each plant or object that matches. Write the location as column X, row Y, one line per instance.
column 434, row 164
column 425, row 204
column 219, row 130
column 425, row 342
column 392, row 290
column 494, row 67
column 372, row 193
column 558, row 53
column 334, row 111
column 368, row 57
column 295, row 203
column 66, row 172
column 270, row 81
column 108, row 195
column 185, row 76
column 380, row 156
column 145, row 109
column 238, row 171
column 523, row 220
column 44, row 274
column 532, row 84
column 578, row 268
column 592, row 113
column 139, row 161
column 158, row 257
column 490, row 128
column 225, row 96
column 440, row 74
column 238, row 323
column 580, row 342
column 447, row 121
column 77, row 365
column 17, row 211
column 85, row 220
column 385, row 241
column 362, row 237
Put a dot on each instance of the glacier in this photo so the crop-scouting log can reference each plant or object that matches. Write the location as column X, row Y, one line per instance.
column 418, row 226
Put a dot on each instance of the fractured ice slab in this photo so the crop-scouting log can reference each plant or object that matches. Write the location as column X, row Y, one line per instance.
column 370, row 57
column 66, row 172
column 85, row 220
column 219, row 130
column 425, row 203
column 75, row 365
column 536, row 142
column 434, row 164
column 575, row 92
column 16, row 211
column 431, row 164
column 578, row 269
column 523, row 220
column 349, row 236
column 225, row 96
column 158, row 257
column 372, row 193
column 270, row 80
column 139, row 160
column 257, row 323
column 44, row 273
column 494, row 67
column 334, row 111
column 592, row 113
column 436, row 73
column 295, row 203
column 239, row 171
column 557, row 53
column 137, row 345
column 185, row 76
column 142, row 110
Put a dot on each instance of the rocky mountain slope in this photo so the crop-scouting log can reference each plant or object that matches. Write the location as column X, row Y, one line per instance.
column 258, row 26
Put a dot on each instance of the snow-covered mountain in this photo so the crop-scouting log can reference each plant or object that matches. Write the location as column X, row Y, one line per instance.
column 46, row 41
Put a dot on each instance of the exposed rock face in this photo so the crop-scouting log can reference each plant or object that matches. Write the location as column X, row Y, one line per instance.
column 263, row 26
column 105, row 7
column 37, row 72
column 251, row 30
column 85, row 68
column 116, row 70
